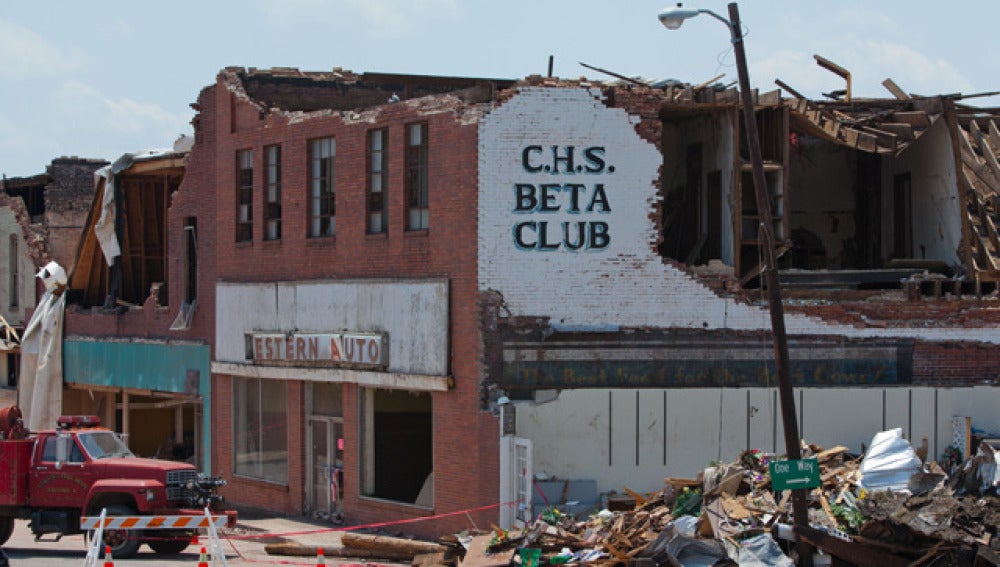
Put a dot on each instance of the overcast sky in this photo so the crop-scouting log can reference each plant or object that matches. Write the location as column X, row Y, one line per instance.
column 98, row 79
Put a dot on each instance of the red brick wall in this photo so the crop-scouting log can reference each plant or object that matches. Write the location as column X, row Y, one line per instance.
column 955, row 364
column 464, row 438
column 154, row 322
column 244, row 492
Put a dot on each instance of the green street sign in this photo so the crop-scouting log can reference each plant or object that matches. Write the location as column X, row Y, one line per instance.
column 792, row 475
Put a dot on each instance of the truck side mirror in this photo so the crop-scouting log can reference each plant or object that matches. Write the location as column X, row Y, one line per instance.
column 62, row 449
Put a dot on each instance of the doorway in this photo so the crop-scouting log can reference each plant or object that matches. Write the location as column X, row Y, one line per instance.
column 325, row 451
column 326, row 467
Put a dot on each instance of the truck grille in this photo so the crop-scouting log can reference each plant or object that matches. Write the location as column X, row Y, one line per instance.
column 177, row 483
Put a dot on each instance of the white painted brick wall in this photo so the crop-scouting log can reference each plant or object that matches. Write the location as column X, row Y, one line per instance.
column 627, row 284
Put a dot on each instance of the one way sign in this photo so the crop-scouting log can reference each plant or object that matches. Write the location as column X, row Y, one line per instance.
column 792, row 475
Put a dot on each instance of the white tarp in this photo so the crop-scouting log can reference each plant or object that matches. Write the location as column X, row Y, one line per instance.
column 41, row 381
column 104, row 228
column 889, row 462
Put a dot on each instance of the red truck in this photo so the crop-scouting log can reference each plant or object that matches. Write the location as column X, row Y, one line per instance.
column 53, row 478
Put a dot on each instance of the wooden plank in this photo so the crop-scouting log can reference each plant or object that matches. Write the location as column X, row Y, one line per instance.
column 837, row 70
column 832, row 67
column 917, row 119
column 770, row 98
column 708, row 82
column 867, row 141
column 985, row 149
column 982, row 172
column 790, row 90
column 390, row 544
column 932, row 105
column 883, row 138
column 994, row 135
column 853, row 552
column 851, row 137
column 948, row 109
column 902, row 131
column 893, row 88
column 477, row 556
column 832, row 127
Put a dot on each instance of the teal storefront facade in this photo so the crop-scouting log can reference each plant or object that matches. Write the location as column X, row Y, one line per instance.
column 156, row 393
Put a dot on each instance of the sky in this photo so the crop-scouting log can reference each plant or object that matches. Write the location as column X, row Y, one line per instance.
column 100, row 79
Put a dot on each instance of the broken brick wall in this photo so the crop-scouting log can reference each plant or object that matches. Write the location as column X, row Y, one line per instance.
column 19, row 236
column 67, row 201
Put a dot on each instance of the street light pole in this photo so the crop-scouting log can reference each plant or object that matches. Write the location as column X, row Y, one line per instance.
column 672, row 19
column 800, row 512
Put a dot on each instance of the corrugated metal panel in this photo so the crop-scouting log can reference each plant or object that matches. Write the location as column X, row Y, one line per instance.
column 142, row 366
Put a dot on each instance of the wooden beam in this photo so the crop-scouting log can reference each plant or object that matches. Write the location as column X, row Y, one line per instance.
column 885, row 139
column 903, row 131
column 854, row 552
column 790, row 90
column 915, row 118
column 994, row 135
column 895, row 90
column 985, row 149
column 157, row 166
column 948, row 111
column 836, row 70
column 867, row 141
column 851, row 136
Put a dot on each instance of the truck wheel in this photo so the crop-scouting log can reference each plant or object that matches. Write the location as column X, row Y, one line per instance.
column 123, row 543
column 6, row 528
column 169, row 546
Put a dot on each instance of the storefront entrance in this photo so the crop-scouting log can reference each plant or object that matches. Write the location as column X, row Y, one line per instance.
column 327, row 467
column 325, row 482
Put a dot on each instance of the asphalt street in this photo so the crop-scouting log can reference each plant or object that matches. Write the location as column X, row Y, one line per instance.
column 24, row 551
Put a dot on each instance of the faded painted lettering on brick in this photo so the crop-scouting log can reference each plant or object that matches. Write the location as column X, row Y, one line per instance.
column 554, row 191
column 319, row 348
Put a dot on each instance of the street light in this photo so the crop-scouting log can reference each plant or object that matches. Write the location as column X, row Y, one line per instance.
column 672, row 18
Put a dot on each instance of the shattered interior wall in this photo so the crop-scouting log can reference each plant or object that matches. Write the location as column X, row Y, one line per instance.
column 823, row 180
column 936, row 210
column 687, row 222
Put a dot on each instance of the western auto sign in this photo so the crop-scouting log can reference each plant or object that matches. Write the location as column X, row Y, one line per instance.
column 317, row 349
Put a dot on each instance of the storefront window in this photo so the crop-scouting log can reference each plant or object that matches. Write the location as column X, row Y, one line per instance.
column 396, row 427
column 260, row 432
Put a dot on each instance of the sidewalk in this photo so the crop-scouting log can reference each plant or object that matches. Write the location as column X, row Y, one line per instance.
column 301, row 530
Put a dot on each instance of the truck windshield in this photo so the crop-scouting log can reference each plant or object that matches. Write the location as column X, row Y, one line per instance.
column 104, row 445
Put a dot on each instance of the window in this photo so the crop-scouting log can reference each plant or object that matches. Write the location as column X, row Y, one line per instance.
column 322, row 213
column 416, row 177
column 15, row 279
column 260, row 436
column 183, row 320
column 13, row 368
column 190, row 260
column 244, row 195
column 49, row 451
column 272, row 193
column 396, row 427
column 378, row 182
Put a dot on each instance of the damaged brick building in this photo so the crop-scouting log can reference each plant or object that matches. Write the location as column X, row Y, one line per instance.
column 399, row 256
column 40, row 220
column 139, row 319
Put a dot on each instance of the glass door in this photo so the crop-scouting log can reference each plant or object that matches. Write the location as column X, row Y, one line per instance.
column 320, row 453
column 326, row 467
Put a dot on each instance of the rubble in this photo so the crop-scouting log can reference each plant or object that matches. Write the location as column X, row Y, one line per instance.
column 729, row 515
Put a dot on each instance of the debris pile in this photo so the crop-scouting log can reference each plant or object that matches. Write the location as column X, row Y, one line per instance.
column 887, row 509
